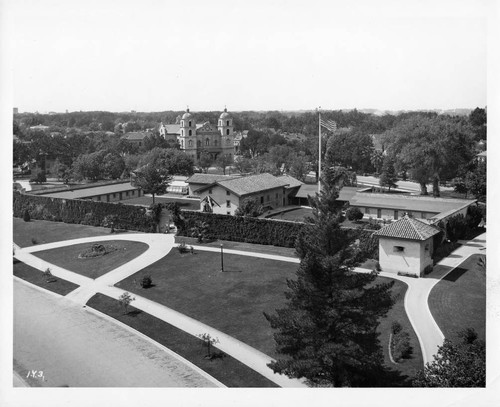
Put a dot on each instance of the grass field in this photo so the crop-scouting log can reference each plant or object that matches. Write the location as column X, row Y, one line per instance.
column 226, row 369
column 47, row 232
column 94, row 267
column 458, row 301
column 35, row 276
column 296, row 215
column 188, row 204
column 234, row 301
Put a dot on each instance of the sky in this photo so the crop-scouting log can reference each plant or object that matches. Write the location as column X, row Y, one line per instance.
column 154, row 55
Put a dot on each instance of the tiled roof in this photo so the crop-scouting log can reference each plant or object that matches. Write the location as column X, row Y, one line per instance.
column 408, row 202
column 408, row 228
column 345, row 194
column 208, row 178
column 172, row 128
column 292, row 182
column 252, row 184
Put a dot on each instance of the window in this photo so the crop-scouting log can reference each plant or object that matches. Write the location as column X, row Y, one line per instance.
column 228, row 213
column 207, row 142
column 210, row 191
column 220, row 122
column 396, row 214
column 189, row 123
column 215, row 142
column 227, row 123
column 190, row 132
column 198, row 143
column 228, row 193
column 427, row 247
column 399, row 249
column 182, row 132
column 182, row 123
column 126, row 193
column 98, row 198
column 424, row 215
column 367, row 211
column 114, row 195
column 228, row 204
column 190, row 143
column 261, row 199
column 379, row 213
column 268, row 198
column 276, row 195
column 227, row 132
column 228, row 141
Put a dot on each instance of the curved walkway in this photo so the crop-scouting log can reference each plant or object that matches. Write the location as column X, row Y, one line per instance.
column 416, row 298
column 160, row 245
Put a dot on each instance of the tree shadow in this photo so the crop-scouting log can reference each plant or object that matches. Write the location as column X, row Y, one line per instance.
column 134, row 313
column 455, row 274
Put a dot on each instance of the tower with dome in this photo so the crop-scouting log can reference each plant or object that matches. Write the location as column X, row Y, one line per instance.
column 195, row 138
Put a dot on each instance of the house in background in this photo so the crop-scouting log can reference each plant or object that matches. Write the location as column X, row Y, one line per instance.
column 136, row 137
column 112, row 192
column 226, row 196
column 406, row 246
column 197, row 181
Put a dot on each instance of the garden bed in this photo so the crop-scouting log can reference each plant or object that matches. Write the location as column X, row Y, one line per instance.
column 68, row 257
column 224, row 368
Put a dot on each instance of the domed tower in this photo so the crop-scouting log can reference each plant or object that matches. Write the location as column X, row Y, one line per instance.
column 225, row 126
column 187, row 136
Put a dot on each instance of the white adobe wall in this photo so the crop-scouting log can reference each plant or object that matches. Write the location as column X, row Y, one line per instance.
column 407, row 261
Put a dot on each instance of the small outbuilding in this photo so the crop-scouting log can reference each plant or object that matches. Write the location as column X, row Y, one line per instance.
column 406, row 246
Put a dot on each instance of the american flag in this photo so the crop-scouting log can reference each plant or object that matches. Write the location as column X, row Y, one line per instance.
column 330, row 125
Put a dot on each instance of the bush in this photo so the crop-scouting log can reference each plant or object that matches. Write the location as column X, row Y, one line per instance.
column 182, row 247
column 146, row 282
column 401, row 348
column 456, row 228
column 39, row 177
column 26, row 216
column 396, row 327
column 474, row 216
column 354, row 214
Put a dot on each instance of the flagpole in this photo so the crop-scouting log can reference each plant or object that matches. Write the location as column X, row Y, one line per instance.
column 319, row 150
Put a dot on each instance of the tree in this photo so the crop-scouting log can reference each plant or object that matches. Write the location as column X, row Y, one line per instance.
column 199, row 230
column 125, row 300
column 457, row 364
column 250, row 207
column 223, row 161
column 39, row 177
column 113, row 165
column 243, row 165
column 254, row 144
column 205, row 161
column 298, row 167
column 152, row 180
column 388, row 176
column 173, row 161
column 377, row 160
column 349, row 149
column 327, row 330
column 354, row 214
column 475, row 182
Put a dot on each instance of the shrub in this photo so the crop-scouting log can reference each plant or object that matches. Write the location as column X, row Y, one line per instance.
column 26, row 216
column 396, row 327
column 456, row 228
column 146, row 282
column 125, row 299
column 474, row 216
column 401, row 348
column 182, row 247
column 34, row 241
column 48, row 276
column 354, row 214
column 405, row 274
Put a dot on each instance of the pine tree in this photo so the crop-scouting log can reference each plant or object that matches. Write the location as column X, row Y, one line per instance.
column 327, row 331
column 388, row 177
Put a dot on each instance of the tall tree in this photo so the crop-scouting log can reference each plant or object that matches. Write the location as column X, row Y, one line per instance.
column 205, row 161
column 152, row 180
column 223, row 161
column 388, row 177
column 327, row 331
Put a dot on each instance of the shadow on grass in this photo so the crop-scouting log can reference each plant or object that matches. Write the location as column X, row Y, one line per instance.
column 455, row 274
column 134, row 313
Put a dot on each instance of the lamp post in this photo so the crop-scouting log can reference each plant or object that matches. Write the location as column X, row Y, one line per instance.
column 222, row 258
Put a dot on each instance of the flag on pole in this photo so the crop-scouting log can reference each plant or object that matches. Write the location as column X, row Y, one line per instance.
column 330, row 125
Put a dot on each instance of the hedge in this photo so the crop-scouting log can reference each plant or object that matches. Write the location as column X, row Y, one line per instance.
column 82, row 211
column 241, row 228
column 261, row 230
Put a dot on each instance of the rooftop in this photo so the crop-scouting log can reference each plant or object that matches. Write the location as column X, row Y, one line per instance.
column 208, row 178
column 252, row 184
column 408, row 228
column 408, row 202
column 92, row 191
column 292, row 182
column 136, row 135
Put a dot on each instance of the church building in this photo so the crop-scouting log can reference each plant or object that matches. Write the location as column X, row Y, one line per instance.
column 195, row 138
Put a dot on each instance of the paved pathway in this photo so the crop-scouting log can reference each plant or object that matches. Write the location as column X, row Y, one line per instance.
column 160, row 245
column 416, row 298
column 58, row 337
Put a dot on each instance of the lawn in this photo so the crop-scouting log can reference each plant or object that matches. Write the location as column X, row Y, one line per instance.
column 35, row 276
column 458, row 301
column 406, row 367
column 226, row 369
column 47, row 232
column 93, row 267
column 234, row 301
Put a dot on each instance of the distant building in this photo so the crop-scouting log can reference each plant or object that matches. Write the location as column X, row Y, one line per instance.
column 198, row 181
column 39, row 127
column 226, row 196
column 103, row 193
column 481, row 157
column 136, row 137
column 196, row 138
